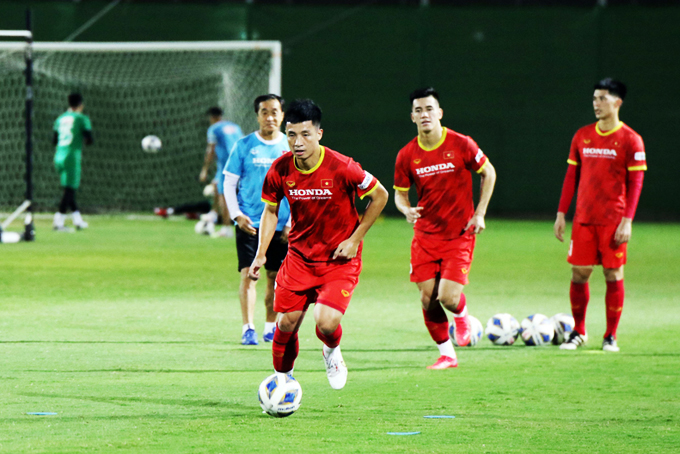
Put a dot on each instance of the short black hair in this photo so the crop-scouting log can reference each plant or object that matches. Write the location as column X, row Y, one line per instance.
column 613, row 86
column 424, row 93
column 75, row 100
column 214, row 112
column 265, row 98
column 302, row 110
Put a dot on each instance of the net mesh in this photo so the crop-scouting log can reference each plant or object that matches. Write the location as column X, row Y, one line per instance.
column 128, row 95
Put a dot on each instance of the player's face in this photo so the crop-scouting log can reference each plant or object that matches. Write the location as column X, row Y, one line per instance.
column 426, row 113
column 303, row 138
column 604, row 104
column 270, row 116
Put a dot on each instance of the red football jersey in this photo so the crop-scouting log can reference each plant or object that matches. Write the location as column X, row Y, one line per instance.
column 604, row 158
column 321, row 201
column 443, row 181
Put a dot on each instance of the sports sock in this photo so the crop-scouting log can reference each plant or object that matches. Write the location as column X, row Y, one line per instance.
column 269, row 327
column 330, row 340
column 77, row 218
column 436, row 322
column 614, row 303
column 446, row 349
column 285, row 350
column 461, row 310
column 246, row 327
column 579, row 294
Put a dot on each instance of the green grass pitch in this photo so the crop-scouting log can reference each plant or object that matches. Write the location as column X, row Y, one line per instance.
column 130, row 332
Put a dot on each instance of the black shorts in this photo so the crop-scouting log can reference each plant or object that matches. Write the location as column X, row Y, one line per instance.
column 246, row 248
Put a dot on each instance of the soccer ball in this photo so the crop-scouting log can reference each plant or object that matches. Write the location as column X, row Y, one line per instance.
column 280, row 395
column 502, row 329
column 537, row 330
column 564, row 325
column 476, row 331
column 151, row 144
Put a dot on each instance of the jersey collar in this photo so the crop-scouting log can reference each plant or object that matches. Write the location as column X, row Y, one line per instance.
column 611, row 131
column 318, row 164
column 436, row 145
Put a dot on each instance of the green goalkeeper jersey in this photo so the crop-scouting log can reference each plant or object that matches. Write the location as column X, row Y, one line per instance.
column 70, row 127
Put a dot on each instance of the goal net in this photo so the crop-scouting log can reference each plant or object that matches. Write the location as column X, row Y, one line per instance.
column 130, row 90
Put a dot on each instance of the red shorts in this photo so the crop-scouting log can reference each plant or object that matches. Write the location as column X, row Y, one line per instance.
column 595, row 245
column 300, row 283
column 442, row 258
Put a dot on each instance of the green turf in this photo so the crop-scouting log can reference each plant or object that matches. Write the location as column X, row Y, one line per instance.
column 130, row 332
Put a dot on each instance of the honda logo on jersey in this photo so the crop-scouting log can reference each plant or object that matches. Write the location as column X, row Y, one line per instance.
column 311, row 194
column 436, row 168
column 599, row 153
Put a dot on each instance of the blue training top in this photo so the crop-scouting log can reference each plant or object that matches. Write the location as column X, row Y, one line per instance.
column 223, row 135
column 250, row 159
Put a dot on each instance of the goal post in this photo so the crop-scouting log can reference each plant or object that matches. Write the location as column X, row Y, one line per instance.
column 130, row 90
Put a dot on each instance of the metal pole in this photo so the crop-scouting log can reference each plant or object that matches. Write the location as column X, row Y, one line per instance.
column 29, row 231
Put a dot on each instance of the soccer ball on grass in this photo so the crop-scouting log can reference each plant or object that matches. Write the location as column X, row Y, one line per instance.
column 502, row 329
column 564, row 325
column 537, row 330
column 280, row 395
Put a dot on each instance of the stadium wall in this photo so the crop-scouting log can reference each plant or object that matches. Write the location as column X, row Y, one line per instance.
column 518, row 80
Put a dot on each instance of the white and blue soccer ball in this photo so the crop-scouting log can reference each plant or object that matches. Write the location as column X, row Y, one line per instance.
column 280, row 395
column 502, row 329
column 476, row 331
column 151, row 144
column 564, row 325
column 537, row 330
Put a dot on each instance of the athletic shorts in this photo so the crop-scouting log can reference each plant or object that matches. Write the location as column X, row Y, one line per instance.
column 595, row 245
column 300, row 283
column 68, row 166
column 441, row 258
column 246, row 249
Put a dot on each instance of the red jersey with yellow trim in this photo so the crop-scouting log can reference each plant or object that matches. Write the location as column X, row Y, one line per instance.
column 321, row 201
column 604, row 159
column 443, row 181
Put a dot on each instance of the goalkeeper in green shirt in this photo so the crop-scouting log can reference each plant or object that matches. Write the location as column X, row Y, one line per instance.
column 71, row 129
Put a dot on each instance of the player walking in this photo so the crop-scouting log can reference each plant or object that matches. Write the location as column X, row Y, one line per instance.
column 438, row 161
column 324, row 258
column 606, row 163
column 70, row 130
column 222, row 135
column 250, row 159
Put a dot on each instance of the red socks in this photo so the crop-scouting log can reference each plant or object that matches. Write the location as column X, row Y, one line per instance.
column 461, row 305
column 285, row 349
column 436, row 322
column 579, row 294
column 614, row 303
column 330, row 340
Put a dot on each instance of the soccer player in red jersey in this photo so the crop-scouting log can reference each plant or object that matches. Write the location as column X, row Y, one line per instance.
column 606, row 163
column 439, row 162
column 325, row 239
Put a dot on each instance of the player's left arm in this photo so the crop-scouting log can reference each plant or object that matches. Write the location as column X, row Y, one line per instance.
column 636, row 166
column 488, row 174
column 378, row 199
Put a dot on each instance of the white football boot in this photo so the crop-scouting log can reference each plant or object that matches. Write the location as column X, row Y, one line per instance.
column 336, row 370
column 575, row 341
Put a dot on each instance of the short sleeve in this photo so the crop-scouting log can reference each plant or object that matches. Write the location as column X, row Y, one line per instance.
column 574, row 156
column 212, row 137
column 87, row 125
column 235, row 162
column 363, row 182
column 636, row 159
column 402, row 174
column 474, row 157
column 272, row 189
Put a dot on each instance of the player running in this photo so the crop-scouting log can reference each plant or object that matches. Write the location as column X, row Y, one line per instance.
column 222, row 135
column 250, row 159
column 324, row 257
column 71, row 129
column 439, row 161
column 606, row 163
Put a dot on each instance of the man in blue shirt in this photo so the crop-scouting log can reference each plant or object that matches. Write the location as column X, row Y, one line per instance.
column 248, row 163
column 222, row 135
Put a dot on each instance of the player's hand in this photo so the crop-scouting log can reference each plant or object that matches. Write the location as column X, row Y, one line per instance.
column 346, row 250
column 254, row 272
column 245, row 224
column 203, row 175
column 413, row 214
column 476, row 223
column 284, row 234
column 558, row 228
column 623, row 231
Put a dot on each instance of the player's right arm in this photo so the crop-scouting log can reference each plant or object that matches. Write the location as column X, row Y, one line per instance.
column 268, row 221
column 232, row 174
column 209, row 157
column 568, row 189
column 403, row 204
column 402, row 185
